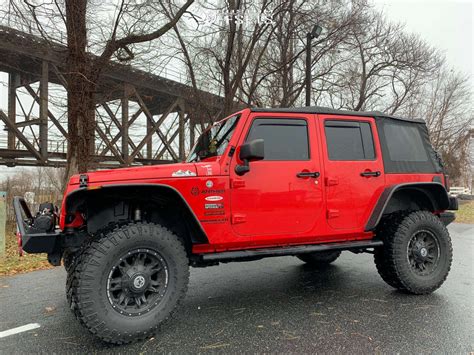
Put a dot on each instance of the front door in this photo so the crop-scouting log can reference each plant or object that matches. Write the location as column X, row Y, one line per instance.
column 353, row 166
column 280, row 195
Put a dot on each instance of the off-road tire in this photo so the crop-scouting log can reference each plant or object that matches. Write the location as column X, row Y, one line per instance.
column 90, row 300
column 320, row 258
column 71, row 260
column 392, row 260
column 68, row 260
column 70, row 263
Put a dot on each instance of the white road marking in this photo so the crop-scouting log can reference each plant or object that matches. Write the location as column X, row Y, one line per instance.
column 23, row 328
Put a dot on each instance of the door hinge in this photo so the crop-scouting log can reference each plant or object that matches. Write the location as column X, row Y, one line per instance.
column 238, row 218
column 332, row 182
column 236, row 183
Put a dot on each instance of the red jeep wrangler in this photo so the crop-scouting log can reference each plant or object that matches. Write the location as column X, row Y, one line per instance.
column 308, row 182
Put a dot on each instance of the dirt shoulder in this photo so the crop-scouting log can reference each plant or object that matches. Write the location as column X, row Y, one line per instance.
column 13, row 264
column 466, row 212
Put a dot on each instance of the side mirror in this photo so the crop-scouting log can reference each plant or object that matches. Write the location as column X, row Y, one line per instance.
column 250, row 151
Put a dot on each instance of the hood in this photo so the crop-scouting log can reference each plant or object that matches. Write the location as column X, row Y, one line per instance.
column 178, row 170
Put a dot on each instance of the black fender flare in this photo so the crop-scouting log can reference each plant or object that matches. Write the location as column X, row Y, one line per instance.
column 434, row 191
column 76, row 197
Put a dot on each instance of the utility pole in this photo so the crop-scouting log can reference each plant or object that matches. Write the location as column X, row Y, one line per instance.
column 3, row 222
column 308, row 69
column 315, row 32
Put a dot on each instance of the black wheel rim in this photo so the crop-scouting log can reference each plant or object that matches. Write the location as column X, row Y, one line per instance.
column 137, row 282
column 423, row 252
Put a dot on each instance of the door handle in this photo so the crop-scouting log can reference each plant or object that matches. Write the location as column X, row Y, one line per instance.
column 306, row 174
column 370, row 173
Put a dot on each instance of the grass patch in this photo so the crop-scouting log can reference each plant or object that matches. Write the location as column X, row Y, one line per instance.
column 465, row 214
column 13, row 264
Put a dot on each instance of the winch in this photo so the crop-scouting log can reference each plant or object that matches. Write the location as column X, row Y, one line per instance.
column 45, row 219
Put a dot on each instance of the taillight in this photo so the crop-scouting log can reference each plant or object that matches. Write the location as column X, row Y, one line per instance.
column 20, row 243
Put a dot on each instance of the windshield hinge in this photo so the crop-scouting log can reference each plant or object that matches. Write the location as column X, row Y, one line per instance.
column 83, row 180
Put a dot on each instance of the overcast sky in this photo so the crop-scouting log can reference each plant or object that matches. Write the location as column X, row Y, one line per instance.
column 446, row 24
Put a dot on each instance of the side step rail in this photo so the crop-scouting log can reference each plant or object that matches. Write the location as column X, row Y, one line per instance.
column 291, row 250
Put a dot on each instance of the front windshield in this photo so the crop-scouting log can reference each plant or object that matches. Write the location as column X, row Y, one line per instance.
column 214, row 140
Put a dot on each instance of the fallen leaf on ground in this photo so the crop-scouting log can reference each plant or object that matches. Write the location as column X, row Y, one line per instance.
column 215, row 345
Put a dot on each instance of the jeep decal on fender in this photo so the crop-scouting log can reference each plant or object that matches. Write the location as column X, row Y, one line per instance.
column 214, row 198
column 213, row 206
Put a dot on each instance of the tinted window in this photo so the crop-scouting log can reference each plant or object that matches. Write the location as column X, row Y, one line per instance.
column 404, row 143
column 285, row 139
column 215, row 140
column 348, row 140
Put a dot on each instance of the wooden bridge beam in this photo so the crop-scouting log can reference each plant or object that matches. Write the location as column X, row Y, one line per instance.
column 124, row 124
column 13, row 83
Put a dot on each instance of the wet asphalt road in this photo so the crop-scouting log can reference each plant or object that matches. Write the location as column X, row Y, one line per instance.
column 272, row 305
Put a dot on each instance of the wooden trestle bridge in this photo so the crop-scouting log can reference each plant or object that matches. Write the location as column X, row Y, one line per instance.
column 141, row 118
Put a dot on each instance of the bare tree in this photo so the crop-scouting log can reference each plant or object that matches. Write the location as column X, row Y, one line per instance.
column 252, row 53
column 132, row 23
column 233, row 51
column 446, row 105
column 283, row 76
column 226, row 51
column 383, row 65
column 45, row 183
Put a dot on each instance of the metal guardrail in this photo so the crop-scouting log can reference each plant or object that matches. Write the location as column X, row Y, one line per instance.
column 459, row 190
column 3, row 222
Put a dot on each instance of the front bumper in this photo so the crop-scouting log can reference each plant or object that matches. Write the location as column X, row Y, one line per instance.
column 33, row 242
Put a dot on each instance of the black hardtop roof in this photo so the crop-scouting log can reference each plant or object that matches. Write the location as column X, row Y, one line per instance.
column 332, row 111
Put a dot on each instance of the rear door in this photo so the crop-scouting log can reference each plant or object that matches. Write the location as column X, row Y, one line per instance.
column 353, row 166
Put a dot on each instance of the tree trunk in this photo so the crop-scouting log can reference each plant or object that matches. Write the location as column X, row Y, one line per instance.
column 80, row 90
column 81, row 125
